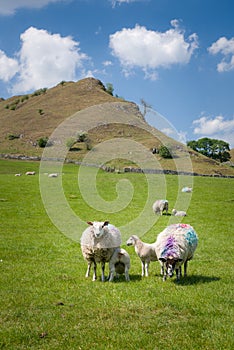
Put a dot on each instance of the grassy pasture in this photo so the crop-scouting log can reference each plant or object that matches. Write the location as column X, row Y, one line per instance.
column 47, row 303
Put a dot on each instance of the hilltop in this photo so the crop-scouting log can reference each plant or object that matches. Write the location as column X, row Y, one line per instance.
column 27, row 118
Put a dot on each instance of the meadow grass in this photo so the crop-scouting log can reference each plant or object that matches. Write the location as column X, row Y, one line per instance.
column 47, row 303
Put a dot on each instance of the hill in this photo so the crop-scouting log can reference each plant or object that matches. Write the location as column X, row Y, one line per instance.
column 27, row 118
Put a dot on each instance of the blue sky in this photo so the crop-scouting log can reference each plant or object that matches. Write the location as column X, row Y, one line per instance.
column 176, row 55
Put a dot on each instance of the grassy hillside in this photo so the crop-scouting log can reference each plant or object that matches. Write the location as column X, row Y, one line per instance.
column 25, row 119
column 47, row 303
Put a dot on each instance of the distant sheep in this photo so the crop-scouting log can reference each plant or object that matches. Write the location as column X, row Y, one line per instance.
column 98, row 243
column 30, row 173
column 145, row 251
column 17, row 174
column 175, row 246
column 178, row 212
column 160, row 206
column 119, row 264
column 187, row 189
column 53, row 175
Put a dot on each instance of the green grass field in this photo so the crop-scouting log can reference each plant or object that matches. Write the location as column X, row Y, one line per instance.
column 47, row 303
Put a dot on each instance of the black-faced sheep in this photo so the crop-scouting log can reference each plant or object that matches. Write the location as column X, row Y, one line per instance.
column 160, row 206
column 175, row 246
column 119, row 264
column 145, row 251
column 98, row 243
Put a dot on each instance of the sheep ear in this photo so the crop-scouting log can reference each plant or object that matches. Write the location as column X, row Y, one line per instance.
column 90, row 223
column 162, row 259
column 105, row 223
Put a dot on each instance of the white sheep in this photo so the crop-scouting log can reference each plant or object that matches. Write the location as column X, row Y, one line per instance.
column 145, row 251
column 175, row 246
column 178, row 212
column 53, row 175
column 30, row 173
column 17, row 174
column 98, row 243
column 160, row 205
column 119, row 264
column 187, row 189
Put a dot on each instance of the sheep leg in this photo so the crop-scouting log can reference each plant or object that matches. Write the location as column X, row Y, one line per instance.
column 185, row 268
column 103, row 271
column 112, row 271
column 164, row 271
column 94, row 271
column 126, row 274
column 142, row 268
column 178, row 273
column 147, row 268
column 88, row 269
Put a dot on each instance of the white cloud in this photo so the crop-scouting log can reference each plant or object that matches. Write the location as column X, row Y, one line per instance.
column 9, row 7
column 107, row 63
column 150, row 50
column 119, row 2
column 217, row 128
column 45, row 59
column 226, row 48
column 8, row 67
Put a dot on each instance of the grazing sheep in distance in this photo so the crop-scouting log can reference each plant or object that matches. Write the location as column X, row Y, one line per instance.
column 175, row 246
column 187, row 189
column 145, row 251
column 17, row 174
column 160, row 205
column 53, row 175
column 119, row 264
column 98, row 243
column 30, row 173
column 178, row 212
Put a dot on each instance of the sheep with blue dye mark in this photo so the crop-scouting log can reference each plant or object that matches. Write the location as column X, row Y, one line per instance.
column 160, row 206
column 98, row 243
column 145, row 251
column 119, row 264
column 175, row 246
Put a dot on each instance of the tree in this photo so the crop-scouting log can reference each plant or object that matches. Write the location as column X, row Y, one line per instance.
column 109, row 88
column 212, row 148
column 165, row 152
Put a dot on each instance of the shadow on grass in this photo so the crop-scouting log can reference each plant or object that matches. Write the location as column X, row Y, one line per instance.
column 133, row 278
column 198, row 279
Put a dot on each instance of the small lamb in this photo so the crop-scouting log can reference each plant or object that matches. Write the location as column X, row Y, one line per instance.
column 175, row 246
column 30, row 173
column 178, row 212
column 119, row 264
column 160, row 206
column 53, row 175
column 98, row 243
column 145, row 251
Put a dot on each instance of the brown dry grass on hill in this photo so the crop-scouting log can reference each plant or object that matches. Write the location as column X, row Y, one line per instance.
column 39, row 114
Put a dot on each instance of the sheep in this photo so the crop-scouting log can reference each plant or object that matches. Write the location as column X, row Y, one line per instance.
column 178, row 212
column 160, row 205
column 98, row 243
column 119, row 264
column 17, row 174
column 175, row 246
column 145, row 251
column 30, row 173
column 53, row 175
column 187, row 189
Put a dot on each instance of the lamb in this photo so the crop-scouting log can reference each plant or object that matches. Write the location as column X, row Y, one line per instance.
column 178, row 212
column 160, row 205
column 98, row 243
column 119, row 264
column 187, row 189
column 17, row 174
column 30, row 173
column 175, row 246
column 145, row 251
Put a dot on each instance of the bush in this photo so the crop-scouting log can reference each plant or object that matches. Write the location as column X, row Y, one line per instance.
column 42, row 142
column 165, row 152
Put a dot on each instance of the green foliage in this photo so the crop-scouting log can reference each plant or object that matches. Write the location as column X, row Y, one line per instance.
column 81, row 137
column 40, row 111
column 165, row 152
column 212, row 148
column 48, row 302
column 109, row 88
column 24, row 98
column 42, row 142
column 39, row 92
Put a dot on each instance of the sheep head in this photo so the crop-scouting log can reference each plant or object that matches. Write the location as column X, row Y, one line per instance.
column 98, row 227
column 132, row 240
column 171, row 264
